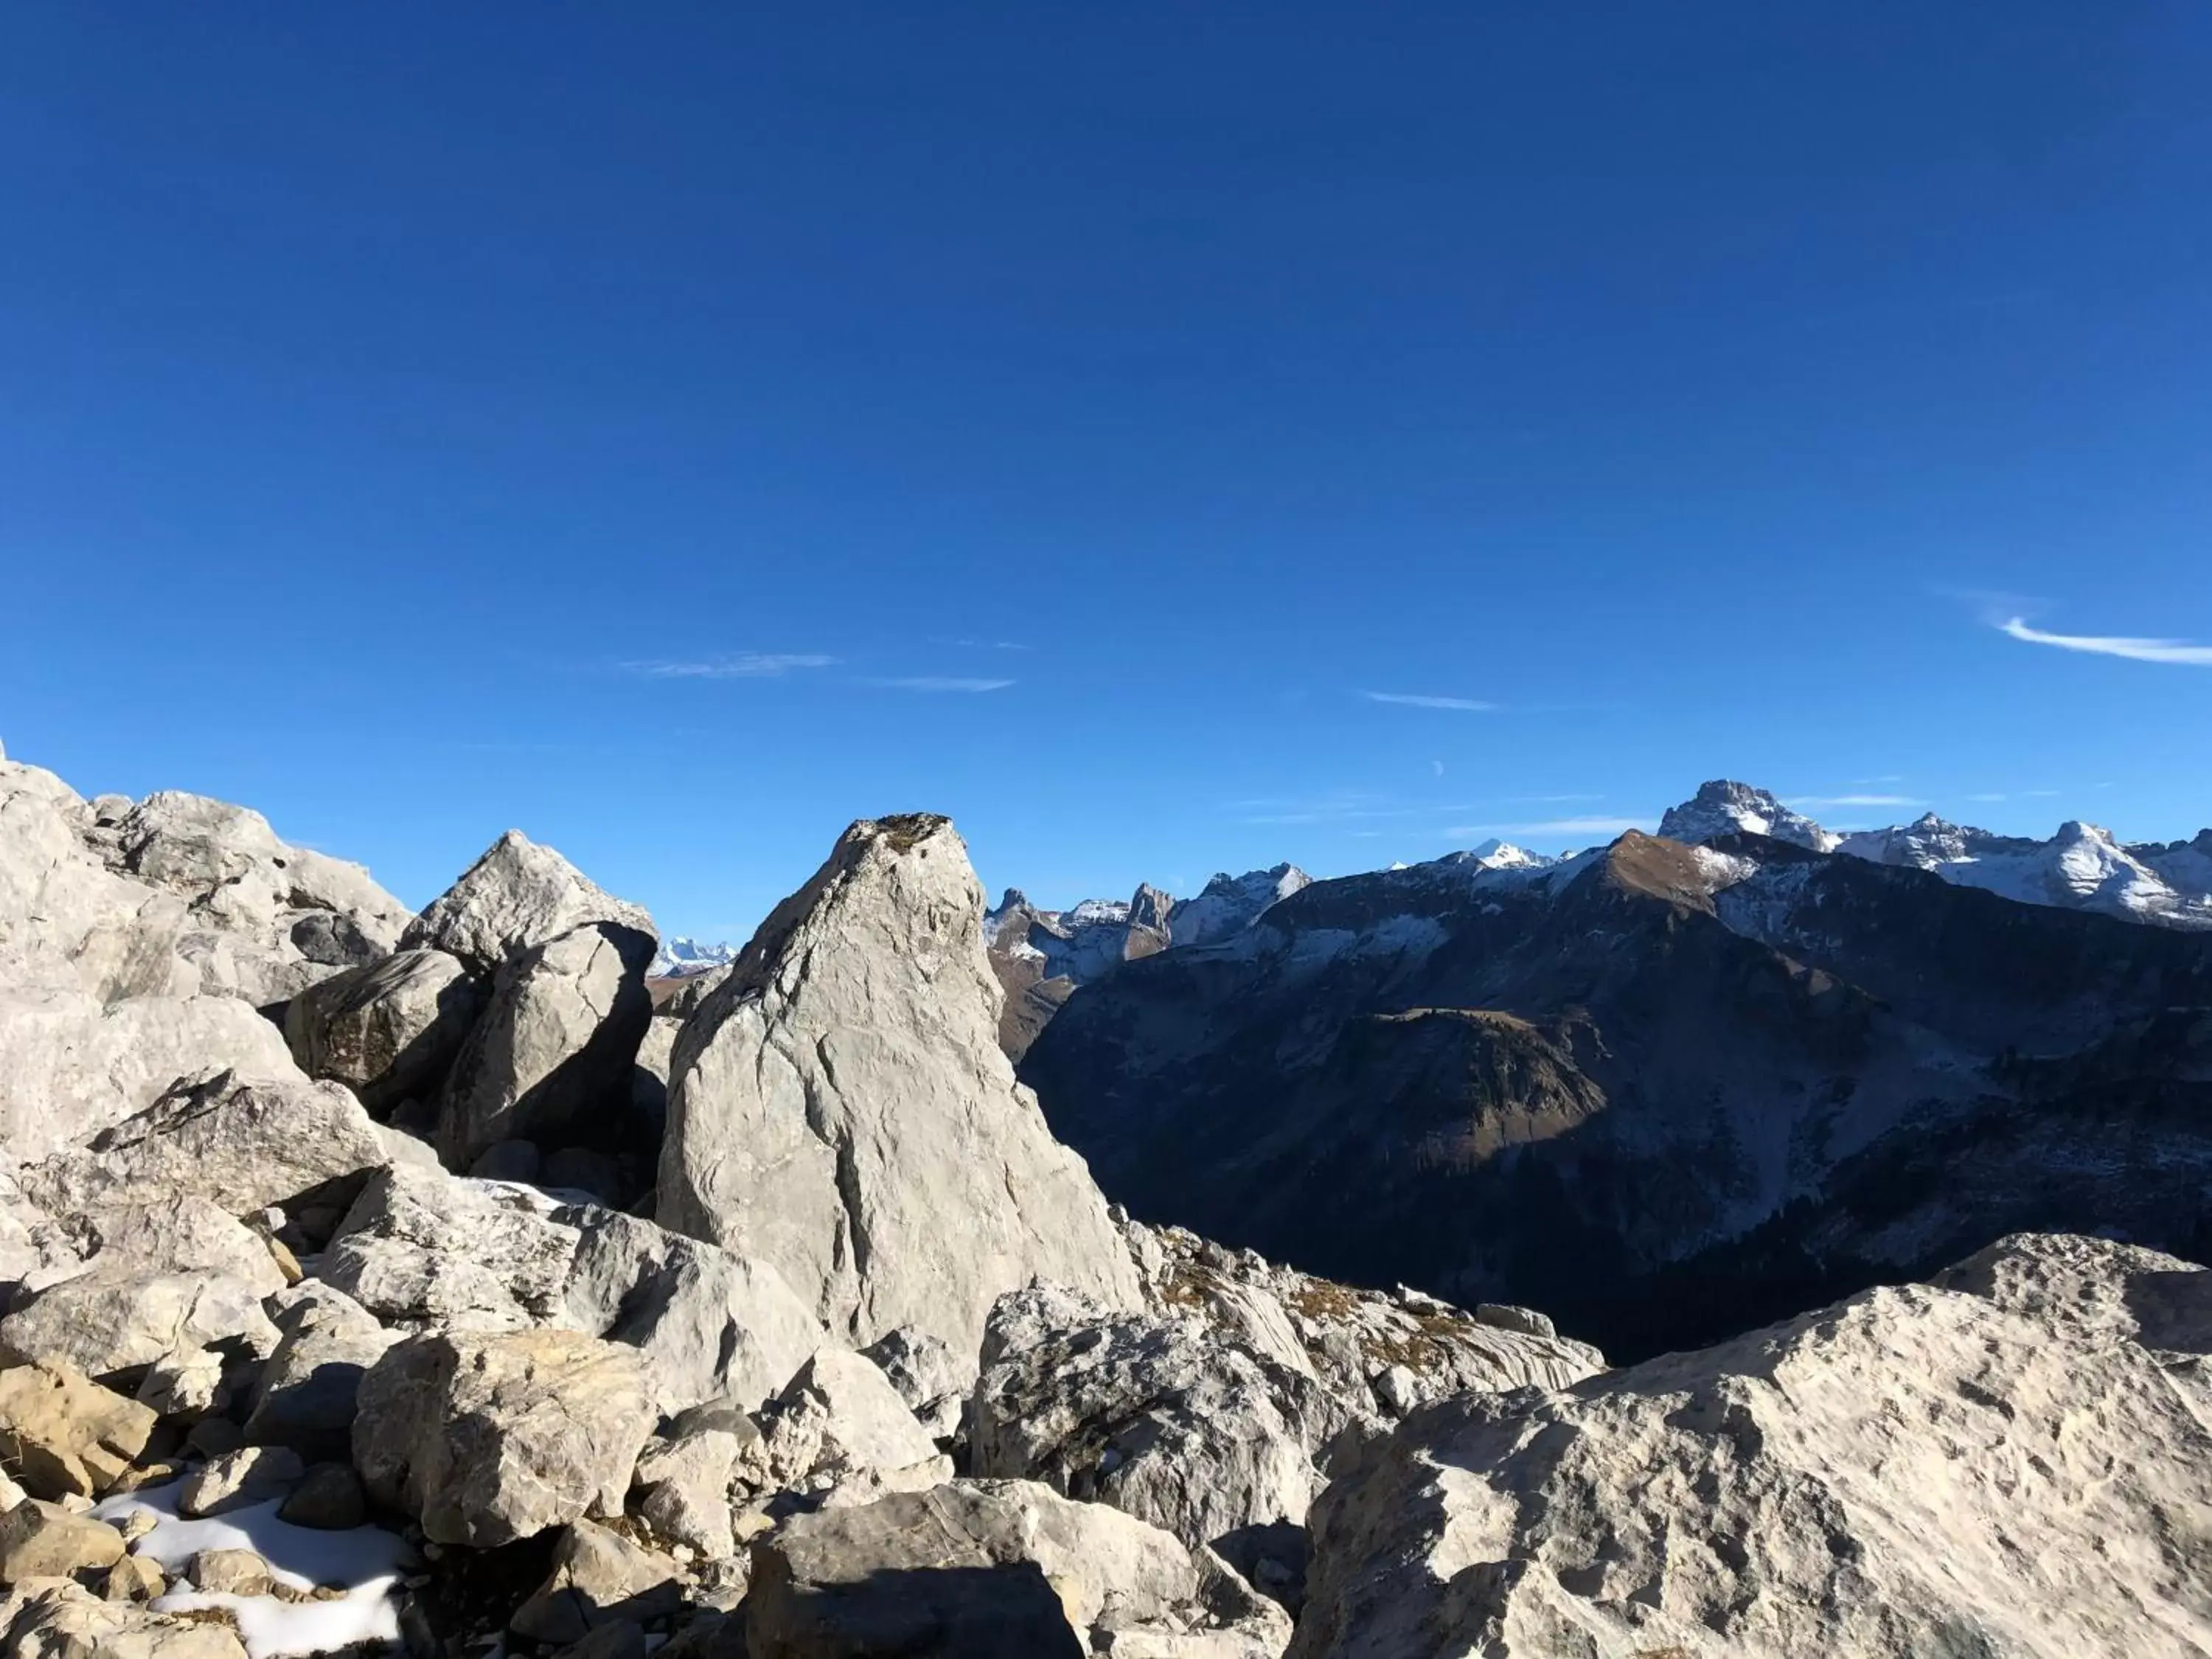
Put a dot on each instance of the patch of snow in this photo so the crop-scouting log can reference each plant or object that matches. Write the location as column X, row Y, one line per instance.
column 292, row 1630
column 680, row 955
column 366, row 1562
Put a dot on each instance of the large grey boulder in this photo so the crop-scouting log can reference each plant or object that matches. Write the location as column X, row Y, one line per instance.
column 487, row 1438
column 2015, row 1466
column 263, row 919
column 177, row 1232
column 710, row 1324
column 61, row 904
column 71, row 1065
column 1377, row 1353
column 517, row 895
column 118, row 1316
column 549, row 1060
column 422, row 1247
column 840, row 1108
column 1162, row 1416
column 993, row 1570
column 242, row 1143
column 387, row 1030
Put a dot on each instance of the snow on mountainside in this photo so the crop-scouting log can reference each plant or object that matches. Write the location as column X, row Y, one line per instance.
column 2081, row 867
column 1229, row 904
column 681, row 956
column 1726, row 808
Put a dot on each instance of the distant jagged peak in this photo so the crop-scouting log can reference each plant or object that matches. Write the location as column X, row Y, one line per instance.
column 1725, row 807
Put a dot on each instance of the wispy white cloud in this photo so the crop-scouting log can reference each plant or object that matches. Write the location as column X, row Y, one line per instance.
column 1580, row 826
column 1988, row 798
column 740, row 665
column 1410, row 700
column 1856, row 800
column 937, row 683
column 980, row 645
column 1887, row 777
column 1439, row 767
column 2161, row 650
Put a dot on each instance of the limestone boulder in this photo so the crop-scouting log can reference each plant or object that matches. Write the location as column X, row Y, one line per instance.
column 600, row 1578
column 993, row 1570
column 420, row 1247
column 1164, row 1416
column 62, row 1435
column 119, row 1316
column 551, row 1057
column 840, row 1109
column 708, row 1323
column 518, row 895
column 71, row 1065
column 387, row 1030
column 2004, row 1466
column 487, row 1438
column 933, row 1380
column 39, row 1540
column 243, row 1143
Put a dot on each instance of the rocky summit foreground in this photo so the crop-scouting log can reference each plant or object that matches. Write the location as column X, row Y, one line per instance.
column 375, row 1282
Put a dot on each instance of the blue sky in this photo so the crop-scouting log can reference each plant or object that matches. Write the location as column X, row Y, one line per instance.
column 1166, row 438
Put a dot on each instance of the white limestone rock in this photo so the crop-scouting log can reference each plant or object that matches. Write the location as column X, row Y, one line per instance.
column 550, row 1058
column 116, row 1316
column 840, row 1108
column 387, row 1030
column 242, row 1142
column 1164, row 1417
column 2008, row 1466
column 487, row 1438
column 709, row 1324
column 993, row 1570
column 422, row 1247
column 516, row 896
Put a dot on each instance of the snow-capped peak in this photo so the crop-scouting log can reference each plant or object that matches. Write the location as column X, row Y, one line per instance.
column 683, row 955
column 1724, row 807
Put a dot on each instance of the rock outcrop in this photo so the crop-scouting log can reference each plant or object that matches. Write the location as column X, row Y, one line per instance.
column 840, row 1109
column 516, row 896
column 2017, row 1464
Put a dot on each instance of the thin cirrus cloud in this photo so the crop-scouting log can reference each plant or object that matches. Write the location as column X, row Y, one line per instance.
column 2183, row 652
column 1411, row 700
column 927, row 682
column 739, row 666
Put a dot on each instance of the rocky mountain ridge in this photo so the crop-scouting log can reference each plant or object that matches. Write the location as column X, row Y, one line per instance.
column 1655, row 1089
column 460, row 1303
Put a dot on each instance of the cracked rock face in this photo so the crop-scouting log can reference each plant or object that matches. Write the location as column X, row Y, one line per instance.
column 2016, row 1467
column 840, row 1109
column 487, row 1438
column 549, row 1060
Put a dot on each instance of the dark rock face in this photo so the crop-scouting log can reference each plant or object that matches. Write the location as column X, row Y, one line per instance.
column 1663, row 1092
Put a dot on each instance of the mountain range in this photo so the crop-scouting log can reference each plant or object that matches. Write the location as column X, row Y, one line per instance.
column 1671, row 1086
